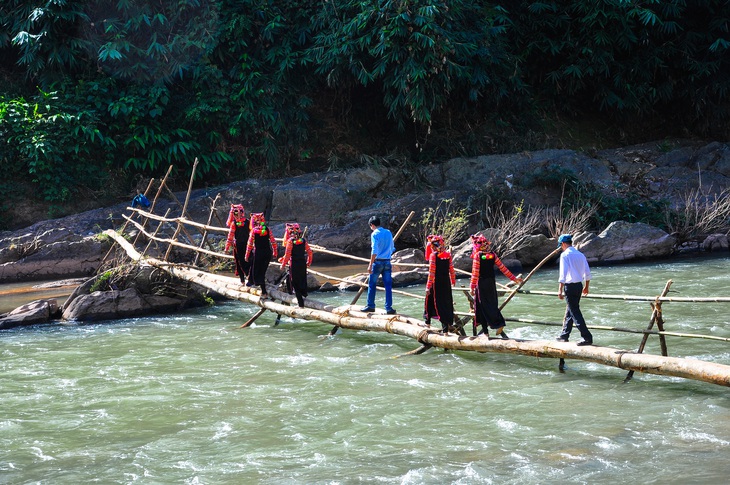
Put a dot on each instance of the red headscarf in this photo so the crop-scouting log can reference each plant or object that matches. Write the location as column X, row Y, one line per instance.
column 258, row 224
column 292, row 231
column 479, row 244
column 434, row 241
column 236, row 214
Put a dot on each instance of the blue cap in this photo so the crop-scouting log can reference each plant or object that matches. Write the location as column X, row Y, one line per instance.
column 565, row 238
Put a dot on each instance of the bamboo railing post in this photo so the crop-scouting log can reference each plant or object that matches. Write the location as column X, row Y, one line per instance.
column 124, row 226
column 184, row 208
column 154, row 201
column 655, row 314
column 660, row 326
column 362, row 288
column 205, row 232
column 470, row 298
column 154, row 235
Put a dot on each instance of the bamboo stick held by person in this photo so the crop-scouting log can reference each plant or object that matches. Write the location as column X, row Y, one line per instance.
column 297, row 257
column 484, row 287
column 574, row 272
column 441, row 277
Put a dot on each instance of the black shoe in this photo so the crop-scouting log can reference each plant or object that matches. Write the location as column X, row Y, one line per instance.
column 561, row 339
column 503, row 335
column 391, row 312
column 367, row 309
column 583, row 342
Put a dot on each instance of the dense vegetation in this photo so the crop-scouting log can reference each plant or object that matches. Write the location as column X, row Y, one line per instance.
column 92, row 91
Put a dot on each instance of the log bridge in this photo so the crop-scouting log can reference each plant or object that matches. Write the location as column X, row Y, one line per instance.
column 349, row 317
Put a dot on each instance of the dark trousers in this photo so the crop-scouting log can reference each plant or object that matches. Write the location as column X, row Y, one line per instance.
column 573, row 314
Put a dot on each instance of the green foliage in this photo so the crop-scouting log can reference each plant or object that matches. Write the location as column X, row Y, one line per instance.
column 421, row 53
column 133, row 85
column 101, row 283
column 447, row 220
column 627, row 58
column 43, row 135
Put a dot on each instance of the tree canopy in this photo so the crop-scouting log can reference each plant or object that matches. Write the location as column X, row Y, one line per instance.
column 91, row 88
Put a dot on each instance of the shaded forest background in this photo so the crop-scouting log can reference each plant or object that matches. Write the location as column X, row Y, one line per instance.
column 96, row 96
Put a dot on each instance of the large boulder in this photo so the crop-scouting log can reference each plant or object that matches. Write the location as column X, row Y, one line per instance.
column 536, row 248
column 107, row 305
column 51, row 254
column 39, row 311
column 623, row 241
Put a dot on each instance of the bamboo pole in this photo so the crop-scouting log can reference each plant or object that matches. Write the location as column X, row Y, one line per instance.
column 529, row 275
column 253, row 318
column 151, row 237
column 655, row 315
column 124, row 226
column 717, row 299
column 184, row 208
column 623, row 330
column 154, row 200
column 182, row 220
column 205, row 231
column 671, row 366
column 173, row 242
column 323, row 250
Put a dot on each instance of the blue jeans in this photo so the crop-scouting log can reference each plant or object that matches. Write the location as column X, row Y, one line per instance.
column 573, row 315
column 384, row 268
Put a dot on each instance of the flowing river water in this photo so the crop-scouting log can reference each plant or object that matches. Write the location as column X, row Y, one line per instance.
column 190, row 398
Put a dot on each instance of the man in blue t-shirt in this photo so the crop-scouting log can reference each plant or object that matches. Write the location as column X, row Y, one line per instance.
column 381, row 241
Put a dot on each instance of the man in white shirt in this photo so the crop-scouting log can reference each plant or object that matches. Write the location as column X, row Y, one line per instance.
column 574, row 280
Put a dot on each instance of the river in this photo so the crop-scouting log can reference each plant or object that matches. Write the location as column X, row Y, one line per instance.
column 190, row 398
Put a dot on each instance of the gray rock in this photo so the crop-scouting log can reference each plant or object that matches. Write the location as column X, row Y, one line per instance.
column 623, row 241
column 107, row 305
column 715, row 242
column 537, row 247
column 39, row 311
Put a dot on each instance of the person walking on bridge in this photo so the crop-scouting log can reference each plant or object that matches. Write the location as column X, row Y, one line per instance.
column 574, row 272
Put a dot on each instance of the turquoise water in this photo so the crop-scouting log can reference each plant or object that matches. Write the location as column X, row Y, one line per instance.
column 190, row 398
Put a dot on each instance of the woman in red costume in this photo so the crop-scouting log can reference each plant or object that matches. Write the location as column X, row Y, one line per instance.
column 260, row 249
column 238, row 239
column 441, row 277
column 298, row 256
column 484, row 287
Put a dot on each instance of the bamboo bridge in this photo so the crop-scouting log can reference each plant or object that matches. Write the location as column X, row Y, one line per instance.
column 349, row 317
